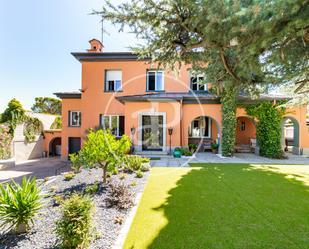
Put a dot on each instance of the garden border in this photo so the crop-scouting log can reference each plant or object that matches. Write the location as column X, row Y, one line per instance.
column 127, row 225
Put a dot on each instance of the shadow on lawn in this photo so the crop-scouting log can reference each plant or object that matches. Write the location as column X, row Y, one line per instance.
column 235, row 206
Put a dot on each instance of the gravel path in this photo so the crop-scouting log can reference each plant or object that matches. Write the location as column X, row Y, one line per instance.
column 43, row 233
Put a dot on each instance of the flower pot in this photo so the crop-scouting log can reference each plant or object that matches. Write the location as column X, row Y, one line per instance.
column 177, row 154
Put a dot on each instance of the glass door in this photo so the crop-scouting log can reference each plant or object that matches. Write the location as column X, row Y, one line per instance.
column 152, row 132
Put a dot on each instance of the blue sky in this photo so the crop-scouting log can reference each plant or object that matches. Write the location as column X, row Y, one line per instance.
column 36, row 39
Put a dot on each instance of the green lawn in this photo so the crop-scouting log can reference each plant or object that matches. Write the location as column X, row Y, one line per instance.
column 223, row 206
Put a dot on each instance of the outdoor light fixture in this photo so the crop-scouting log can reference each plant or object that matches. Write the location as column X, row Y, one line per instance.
column 170, row 132
column 132, row 130
column 132, row 136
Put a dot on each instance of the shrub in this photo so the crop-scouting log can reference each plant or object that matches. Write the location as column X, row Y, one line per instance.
column 145, row 160
column 19, row 204
column 139, row 174
column 69, row 176
column 145, row 167
column 214, row 146
column 75, row 225
column 58, row 199
column 192, row 147
column 92, row 189
column 77, row 162
column 122, row 176
column 133, row 184
column 119, row 195
column 185, row 152
column 133, row 163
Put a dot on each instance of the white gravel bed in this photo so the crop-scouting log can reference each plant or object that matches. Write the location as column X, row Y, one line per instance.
column 43, row 235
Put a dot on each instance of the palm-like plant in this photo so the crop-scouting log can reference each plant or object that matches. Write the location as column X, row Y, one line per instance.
column 19, row 203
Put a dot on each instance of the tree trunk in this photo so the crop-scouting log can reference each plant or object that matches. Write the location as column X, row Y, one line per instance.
column 104, row 173
column 229, row 121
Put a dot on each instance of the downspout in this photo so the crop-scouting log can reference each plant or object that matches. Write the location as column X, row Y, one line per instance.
column 181, row 120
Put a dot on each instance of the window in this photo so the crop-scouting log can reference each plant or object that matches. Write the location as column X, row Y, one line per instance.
column 113, row 80
column 74, row 118
column 114, row 123
column 200, row 127
column 243, row 126
column 155, row 81
column 197, row 83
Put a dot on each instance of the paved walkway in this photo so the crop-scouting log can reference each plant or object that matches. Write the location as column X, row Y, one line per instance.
column 208, row 157
column 40, row 168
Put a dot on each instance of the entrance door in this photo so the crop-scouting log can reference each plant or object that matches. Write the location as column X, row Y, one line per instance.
column 74, row 144
column 152, row 132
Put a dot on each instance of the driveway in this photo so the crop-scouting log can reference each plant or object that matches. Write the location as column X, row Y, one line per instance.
column 40, row 168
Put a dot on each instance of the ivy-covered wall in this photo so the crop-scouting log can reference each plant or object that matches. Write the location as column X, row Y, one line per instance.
column 268, row 127
column 5, row 142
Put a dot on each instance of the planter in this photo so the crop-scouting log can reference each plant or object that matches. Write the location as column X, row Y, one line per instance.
column 177, row 154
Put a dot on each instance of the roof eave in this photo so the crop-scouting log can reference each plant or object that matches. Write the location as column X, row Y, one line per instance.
column 68, row 95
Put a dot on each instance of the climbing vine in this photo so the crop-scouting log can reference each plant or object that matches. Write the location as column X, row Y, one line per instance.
column 32, row 128
column 57, row 124
column 268, row 129
column 228, row 109
column 5, row 142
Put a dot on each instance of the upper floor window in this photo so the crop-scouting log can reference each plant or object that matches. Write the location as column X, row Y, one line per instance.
column 74, row 118
column 114, row 123
column 155, row 81
column 113, row 80
column 198, row 83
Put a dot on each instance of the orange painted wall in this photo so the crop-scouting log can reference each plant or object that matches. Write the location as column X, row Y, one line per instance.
column 192, row 111
column 243, row 137
column 49, row 136
column 95, row 101
column 69, row 105
column 171, row 110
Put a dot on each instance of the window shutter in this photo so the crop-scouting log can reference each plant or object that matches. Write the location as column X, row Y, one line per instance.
column 69, row 118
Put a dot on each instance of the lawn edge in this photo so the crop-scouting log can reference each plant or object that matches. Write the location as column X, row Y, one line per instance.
column 119, row 243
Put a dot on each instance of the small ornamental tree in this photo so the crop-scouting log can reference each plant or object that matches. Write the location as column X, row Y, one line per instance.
column 104, row 150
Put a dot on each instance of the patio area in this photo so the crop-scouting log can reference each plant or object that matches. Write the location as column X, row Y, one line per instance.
column 207, row 157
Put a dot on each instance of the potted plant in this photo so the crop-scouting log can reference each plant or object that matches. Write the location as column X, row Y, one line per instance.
column 177, row 152
column 192, row 147
column 214, row 147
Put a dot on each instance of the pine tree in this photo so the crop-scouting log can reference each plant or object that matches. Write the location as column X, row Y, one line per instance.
column 247, row 44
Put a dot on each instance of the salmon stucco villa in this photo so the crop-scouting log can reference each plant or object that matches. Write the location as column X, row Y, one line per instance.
column 154, row 107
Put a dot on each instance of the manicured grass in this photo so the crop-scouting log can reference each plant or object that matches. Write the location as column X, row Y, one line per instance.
column 223, row 206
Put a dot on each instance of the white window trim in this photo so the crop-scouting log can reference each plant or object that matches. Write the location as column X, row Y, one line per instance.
column 71, row 119
column 140, row 128
column 156, row 86
column 197, row 82
column 106, row 85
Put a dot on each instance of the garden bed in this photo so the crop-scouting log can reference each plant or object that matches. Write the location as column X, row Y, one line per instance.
column 43, row 235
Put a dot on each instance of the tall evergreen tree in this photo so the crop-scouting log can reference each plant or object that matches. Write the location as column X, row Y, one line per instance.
column 47, row 105
column 247, row 44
